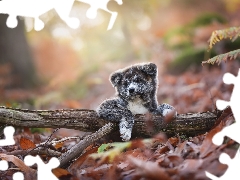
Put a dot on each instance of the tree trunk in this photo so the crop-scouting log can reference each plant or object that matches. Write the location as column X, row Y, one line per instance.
column 14, row 50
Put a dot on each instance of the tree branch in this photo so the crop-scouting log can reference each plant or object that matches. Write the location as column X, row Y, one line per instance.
column 87, row 120
column 77, row 150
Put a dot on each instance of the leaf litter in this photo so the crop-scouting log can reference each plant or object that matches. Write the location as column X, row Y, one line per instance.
column 159, row 157
column 155, row 158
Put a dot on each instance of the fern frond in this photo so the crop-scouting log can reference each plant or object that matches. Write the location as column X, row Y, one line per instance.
column 231, row 33
column 223, row 57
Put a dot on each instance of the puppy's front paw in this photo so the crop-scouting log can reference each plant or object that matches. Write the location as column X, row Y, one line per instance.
column 126, row 135
column 166, row 112
column 125, row 130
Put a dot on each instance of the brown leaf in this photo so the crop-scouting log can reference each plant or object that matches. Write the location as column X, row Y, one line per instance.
column 173, row 141
column 149, row 169
column 170, row 116
column 207, row 145
column 161, row 137
column 37, row 138
column 171, row 160
column 189, row 168
column 59, row 172
column 59, row 145
column 27, row 130
column 26, row 144
column 138, row 143
column 83, row 160
column 223, row 115
column 29, row 173
column 178, row 150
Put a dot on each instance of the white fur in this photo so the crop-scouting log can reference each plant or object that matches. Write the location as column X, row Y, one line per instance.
column 124, row 131
column 136, row 106
column 166, row 111
column 132, row 86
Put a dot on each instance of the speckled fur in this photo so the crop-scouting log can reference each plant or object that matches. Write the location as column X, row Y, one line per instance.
column 136, row 88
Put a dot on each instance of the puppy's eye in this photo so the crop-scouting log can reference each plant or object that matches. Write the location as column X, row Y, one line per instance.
column 131, row 90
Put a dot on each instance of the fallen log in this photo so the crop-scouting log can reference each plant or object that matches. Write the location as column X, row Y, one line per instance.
column 190, row 124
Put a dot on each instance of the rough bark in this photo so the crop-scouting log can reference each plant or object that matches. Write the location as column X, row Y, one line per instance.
column 87, row 120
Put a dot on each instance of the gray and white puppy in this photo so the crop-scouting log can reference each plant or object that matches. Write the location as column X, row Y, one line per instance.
column 136, row 88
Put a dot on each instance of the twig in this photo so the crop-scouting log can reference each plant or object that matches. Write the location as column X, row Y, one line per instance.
column 77, row 150
column 48, row 152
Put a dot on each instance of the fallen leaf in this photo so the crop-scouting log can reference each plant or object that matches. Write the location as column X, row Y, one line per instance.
column 29, row 172
column 109, row 155
column 207, row 146
column 223, row 115
column 59, row 145
column 173, row 141
column 189, row 167
column 170, row 116
column 179, row 149
column 76, row 165
column 59, row 172
column 171, row 160
column 26, row 144
column 149, row 169
column 161, row 137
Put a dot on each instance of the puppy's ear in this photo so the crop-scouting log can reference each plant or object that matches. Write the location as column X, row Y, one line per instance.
column 115, row 78
column 149, row 68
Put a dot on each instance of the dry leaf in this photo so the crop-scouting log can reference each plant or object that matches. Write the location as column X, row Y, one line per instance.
column 30, row 173
column 58, row 145
column 58, row 172
column 149, row 169
column 26, row 144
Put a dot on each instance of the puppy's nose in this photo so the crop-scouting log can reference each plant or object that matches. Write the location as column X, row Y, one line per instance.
column 131, row 90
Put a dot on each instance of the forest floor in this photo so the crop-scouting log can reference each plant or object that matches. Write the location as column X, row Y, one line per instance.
column 156, row 158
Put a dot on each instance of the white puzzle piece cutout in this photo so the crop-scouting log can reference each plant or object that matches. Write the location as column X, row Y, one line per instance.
column 44, row 170
column 36, row 8
column 233, row 167
column 3, row 165
column 8, row 133
column 9, row 140
column 18, row 176
column 101, row 4
column 232, row 131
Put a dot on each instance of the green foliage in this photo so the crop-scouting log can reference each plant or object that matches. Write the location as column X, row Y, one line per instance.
column 232, row 33
column 38, row 130
column 188, row 57
column 111, row 150
column 178, row 38
column 207, row 19
column 223, row 57
column 103, row 148
column 119, row 145
column 181, row 37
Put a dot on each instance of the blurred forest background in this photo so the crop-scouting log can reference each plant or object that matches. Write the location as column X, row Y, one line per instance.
column 60, row 67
